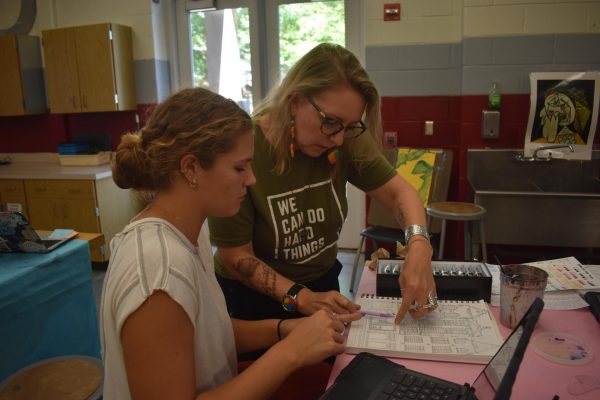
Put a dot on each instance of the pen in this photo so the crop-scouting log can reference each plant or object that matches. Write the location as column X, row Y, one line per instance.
column 377, row 314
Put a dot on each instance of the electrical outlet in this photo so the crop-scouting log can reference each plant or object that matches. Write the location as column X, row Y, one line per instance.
column 490, row 124
column 428, row 128
column 391, row 138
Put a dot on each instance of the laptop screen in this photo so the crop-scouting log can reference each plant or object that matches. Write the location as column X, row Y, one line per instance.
column 491, row 381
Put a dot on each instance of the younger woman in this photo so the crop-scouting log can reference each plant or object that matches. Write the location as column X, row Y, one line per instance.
column 166, row 333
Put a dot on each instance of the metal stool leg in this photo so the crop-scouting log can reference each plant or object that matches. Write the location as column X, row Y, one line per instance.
column 468, row 245
column 442, row 239
column 356, row 259
column 483, row 245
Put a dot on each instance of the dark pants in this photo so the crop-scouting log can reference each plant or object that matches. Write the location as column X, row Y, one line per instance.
column 248, row 304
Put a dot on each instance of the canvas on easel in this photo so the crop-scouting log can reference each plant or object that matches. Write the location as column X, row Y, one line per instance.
column 417, row 167
column 563, row 111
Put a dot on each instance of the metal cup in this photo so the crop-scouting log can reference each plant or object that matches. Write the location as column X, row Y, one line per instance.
column 519, row 286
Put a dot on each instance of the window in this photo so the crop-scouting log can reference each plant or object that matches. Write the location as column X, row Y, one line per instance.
column 240, row 49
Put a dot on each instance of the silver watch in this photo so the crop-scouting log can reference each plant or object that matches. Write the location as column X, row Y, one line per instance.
column 413, row 230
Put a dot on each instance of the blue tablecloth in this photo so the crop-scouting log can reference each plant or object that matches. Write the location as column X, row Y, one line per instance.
column 47, row 306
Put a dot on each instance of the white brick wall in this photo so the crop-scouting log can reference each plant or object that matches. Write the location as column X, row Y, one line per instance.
column 494, row 21
column 421, row 21
column 556, row 18
column 449, row 21
column 593, row 21
column 9, row 12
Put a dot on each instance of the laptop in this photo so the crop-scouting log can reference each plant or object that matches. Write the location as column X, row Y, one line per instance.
column 371, row 377
column 18, row 236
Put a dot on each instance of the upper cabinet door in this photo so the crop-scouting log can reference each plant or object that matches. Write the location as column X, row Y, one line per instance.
column 90, row 68
column 21, row 76
column 11, row 94
column 62, row 80
column 96, row 68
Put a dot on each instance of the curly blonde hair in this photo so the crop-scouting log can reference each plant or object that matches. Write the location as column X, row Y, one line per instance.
column 192, row 121
column 324, row 67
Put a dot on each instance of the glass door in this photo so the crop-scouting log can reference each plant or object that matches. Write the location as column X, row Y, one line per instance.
column 241, row 49
column 303, row 25
column 220, row 53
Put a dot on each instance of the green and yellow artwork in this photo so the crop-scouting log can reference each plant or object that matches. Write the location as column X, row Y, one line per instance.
column 416, row 166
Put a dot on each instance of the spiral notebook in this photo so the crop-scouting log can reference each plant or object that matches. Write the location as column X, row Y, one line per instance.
column 458, row 331
column 371, row 377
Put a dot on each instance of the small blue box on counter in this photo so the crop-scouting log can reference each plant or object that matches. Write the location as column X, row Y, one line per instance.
column 73, row 148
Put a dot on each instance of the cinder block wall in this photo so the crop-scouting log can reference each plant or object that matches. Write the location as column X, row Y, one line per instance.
column 439, row 61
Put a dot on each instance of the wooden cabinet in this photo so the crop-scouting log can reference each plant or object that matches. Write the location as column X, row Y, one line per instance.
column 12, row 193
column 89, row 68
column 94, row 206
column 21, row 76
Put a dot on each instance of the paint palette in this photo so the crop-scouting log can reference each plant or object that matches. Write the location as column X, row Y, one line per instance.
column 562, row 348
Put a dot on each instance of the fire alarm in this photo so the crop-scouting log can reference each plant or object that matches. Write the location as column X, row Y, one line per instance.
column 391, row 12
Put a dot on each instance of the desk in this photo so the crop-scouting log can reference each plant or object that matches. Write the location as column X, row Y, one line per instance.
column 47, row 306
column 538, row 378
column 95, row 240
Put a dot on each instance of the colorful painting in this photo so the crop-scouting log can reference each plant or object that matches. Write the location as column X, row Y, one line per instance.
column 416, row 166
column 563, row 112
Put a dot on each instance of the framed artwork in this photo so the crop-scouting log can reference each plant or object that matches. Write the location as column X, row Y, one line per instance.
column 563, row 111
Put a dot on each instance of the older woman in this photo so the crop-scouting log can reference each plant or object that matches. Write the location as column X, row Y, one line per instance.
column 277, row 256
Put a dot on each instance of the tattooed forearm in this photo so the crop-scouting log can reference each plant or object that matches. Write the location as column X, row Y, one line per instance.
column 268, row 281
column 248, row 269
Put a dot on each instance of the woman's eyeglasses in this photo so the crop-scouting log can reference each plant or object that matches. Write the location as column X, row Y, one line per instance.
column 332, row 126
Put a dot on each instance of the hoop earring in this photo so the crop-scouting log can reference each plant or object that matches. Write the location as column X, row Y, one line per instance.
column 293, row 134
column 332, row 156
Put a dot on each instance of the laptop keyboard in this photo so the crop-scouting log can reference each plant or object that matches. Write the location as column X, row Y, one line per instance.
column 407, row 385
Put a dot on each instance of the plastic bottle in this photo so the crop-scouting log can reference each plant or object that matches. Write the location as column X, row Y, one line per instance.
column 494, row 97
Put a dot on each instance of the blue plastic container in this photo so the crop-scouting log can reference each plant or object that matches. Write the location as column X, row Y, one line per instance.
column 73, row 148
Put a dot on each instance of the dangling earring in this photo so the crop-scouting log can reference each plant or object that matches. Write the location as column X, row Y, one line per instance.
column 192, row 183
column 293, row 134
column 332, row 156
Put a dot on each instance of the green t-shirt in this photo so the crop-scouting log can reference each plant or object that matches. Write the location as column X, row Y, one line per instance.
column 294, row 220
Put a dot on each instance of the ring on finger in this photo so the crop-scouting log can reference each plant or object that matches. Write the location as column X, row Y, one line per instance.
column 432, row 299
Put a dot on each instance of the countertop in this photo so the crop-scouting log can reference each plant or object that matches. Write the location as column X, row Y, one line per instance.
column 47, row 166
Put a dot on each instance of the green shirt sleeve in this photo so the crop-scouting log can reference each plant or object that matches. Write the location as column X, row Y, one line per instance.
column 371, row 174
column 233, row 231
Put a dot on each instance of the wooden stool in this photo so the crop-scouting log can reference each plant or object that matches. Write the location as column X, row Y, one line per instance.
column 59, row 378
column 457, row 211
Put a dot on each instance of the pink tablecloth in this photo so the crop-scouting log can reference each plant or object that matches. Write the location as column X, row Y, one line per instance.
column 538, row 378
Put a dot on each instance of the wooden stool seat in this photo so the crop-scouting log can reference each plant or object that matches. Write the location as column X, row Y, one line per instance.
column 458, row 211
column 59, row 378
